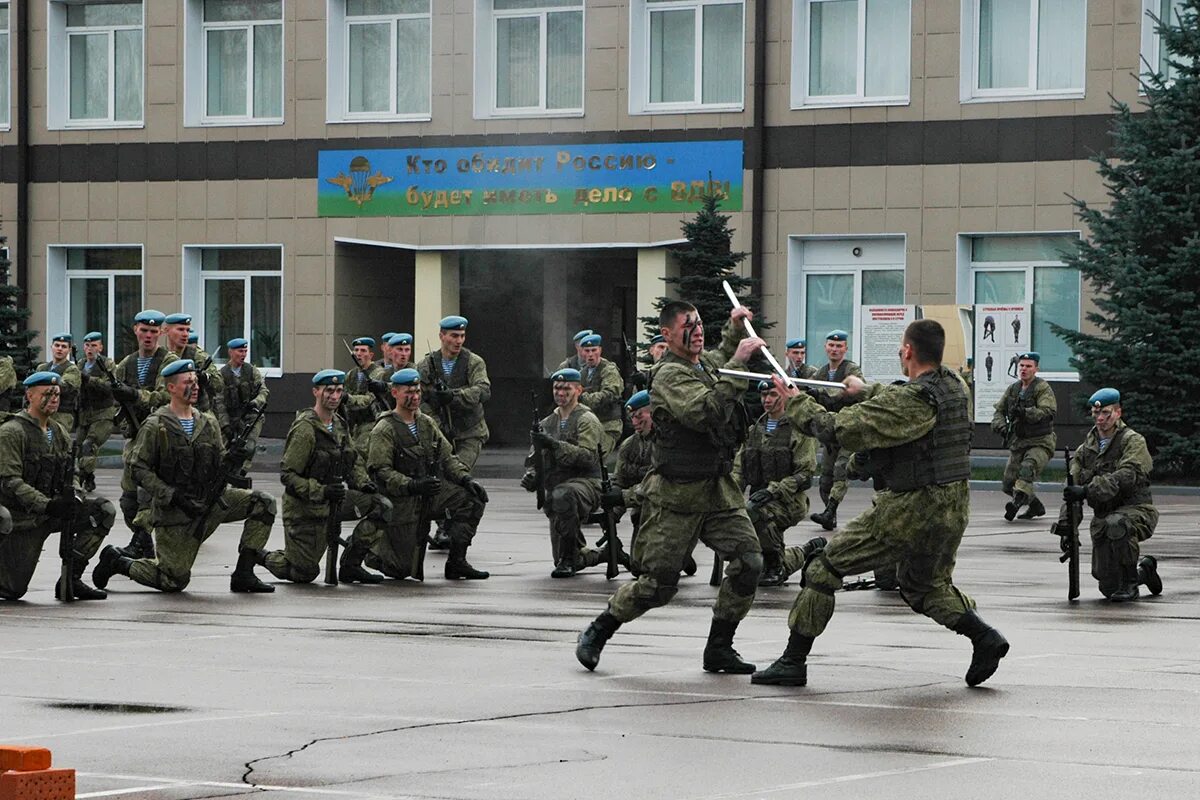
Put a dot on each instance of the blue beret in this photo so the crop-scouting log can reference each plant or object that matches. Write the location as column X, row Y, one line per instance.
column 178, row 367
column 149, row 317
column 453, row 323
column 400, row 338
column 1031, row 355
column 970, row 361
column 43, row 378
column 179, row 318
column 329, row 377
column 657, row 339
column 193, row 337
column 406, row 377
column 367, row 340
column 567, row 376
column 765, row 386
column 93, row 336
column 581, row 334
column 591, row 340
column 63, row 337
column 837, row 336
column 638, row 400
column 237, row 344
column 796, row 343
column 1104, row 397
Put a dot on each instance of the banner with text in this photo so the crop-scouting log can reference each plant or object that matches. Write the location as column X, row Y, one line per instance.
column 1001, row 334
column 574, row 179
column 882, row 329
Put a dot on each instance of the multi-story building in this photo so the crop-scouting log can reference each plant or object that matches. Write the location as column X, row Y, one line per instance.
column 303, row 171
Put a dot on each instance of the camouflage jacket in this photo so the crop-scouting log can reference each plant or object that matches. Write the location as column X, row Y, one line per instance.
column 1119, row 476
column 634, row 461
column 1026, row 418
column 95, row 393
column 602, row 388
column 31, row 468
column 575, row 456
column 803, row 458
column 162, row 454
column 304, row 490
column 395, row 458
column 466, row 404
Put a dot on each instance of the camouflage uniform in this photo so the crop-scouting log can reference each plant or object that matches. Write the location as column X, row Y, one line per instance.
column 151, row 394
column 8, row 383
column 833, row 484
column 68, row 404
column 167, row 462
column 395, row 458
column 1025, row 417
column 212, row 386
column 806, row 371
column 635, row 457
column 245, row 394
column 570, row 477
column 97, row 413
column 362, row 407
column 310, row 463
column 1117, row 478
column 602, row 388
column 32, row 471
column 469, row 384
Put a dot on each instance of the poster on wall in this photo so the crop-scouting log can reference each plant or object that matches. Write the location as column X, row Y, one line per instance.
column 882, row 330
column 1001, row 334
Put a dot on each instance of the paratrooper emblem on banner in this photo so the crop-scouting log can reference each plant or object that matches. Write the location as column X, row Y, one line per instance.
column 360, row 184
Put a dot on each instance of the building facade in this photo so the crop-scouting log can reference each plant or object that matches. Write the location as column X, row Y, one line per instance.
column 306, row 171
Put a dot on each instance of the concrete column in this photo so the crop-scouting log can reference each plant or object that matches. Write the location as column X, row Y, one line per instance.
column 435, row 292
column 555, row 336
column 653, row 265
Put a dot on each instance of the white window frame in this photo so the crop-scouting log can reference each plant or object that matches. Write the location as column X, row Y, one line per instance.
column 5, row 33
column 800, row 44
column 639, row 59
column 968, row 267
column 337, row 76
column 58, row 71
column 1151, row 42
column 969, row 90
column 193, row 291
column 58, row 288
column 486, row 23
column 195, row 73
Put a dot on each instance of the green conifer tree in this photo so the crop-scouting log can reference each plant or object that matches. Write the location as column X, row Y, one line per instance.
column 15, row 336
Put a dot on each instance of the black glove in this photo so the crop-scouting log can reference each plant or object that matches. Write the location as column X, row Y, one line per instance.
column 335, row 493
column 257, row 406
column 529, row 481
column 125, row 393
column 1073, row 494
column 368, row 488
column 62, row 507
column 762, row 497
column 613, row 498
column 188, row 505
column 544, row 440
column 638, row 380
column 239, row 452
column 476, row 489
column 425, row 487
column 443, row 396
column 377, row 386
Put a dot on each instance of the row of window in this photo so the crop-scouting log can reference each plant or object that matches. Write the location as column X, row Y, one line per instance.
column 684, row 55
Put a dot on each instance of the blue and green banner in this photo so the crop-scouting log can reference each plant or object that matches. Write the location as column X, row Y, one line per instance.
column 543, row 179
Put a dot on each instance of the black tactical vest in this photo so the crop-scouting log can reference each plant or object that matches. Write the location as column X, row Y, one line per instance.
column 188, row 464
column 1092, row 464
column 96, row 393
column 462, row 419
column 411, row 456
column 683, row 454
column 68, row 399
column 555, row 473
column 239, row 391
column 1012, row 409
column 767, row 457
column 939, row 457
column 333, row 456
column 44, row 466
column 608, row 410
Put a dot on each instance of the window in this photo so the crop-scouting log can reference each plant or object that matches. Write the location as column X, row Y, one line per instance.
column 239, row 292
column 1018, row 49
column 686, row 55
column 1029, row 270
column 530, row 57
column 103, row 291
column 851, row 52
column 5, row 114
column 240, row 54
column 379, row 60
column 1153, row 51
column 95, row 72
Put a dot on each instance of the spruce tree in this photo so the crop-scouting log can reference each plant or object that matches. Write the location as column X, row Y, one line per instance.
column 1143, row 257
column 15, row 336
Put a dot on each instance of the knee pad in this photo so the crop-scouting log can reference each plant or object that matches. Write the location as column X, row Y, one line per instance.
column 666, row 586
column 820, row 575
column 5, row 521
column 1117, row 527
column 103, row 514
column 560, row 500
column 381, row 509
column 744, row 582
column 262, row 508
column 1025, row 473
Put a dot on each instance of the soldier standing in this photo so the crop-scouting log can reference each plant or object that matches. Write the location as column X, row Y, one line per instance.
column 658, row 348
column 96, row 409
column 246, row 394
column 178, row 456
column 319, row 462
column 454, row 387
column 400, row 352
column 919, row 438
column 602, row 389
column 690, row 494
column 415, row 466
column 1112, row 473
column 776, row 464
column 833, row 462
column 1025, row 418
column 576, row 361
column 797, row 355
column 60, row 364
column 35, row 465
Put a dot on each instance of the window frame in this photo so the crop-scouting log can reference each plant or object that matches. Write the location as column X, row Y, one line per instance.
column 486, row 52
column 58, row 287
column 196, row 68
column 337, row 81
column 58, row 71
column 6, row 34
column 1151, row 49
column 970, row 93
column 639, row 59
column 801, row 99
column 195, row 280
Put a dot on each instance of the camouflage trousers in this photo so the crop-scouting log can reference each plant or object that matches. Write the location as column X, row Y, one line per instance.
column 467, row 450
column 95, row 428
column 666, row 537
column 398, row 548
column 771, row 520
column 178, row 545
column 20, row 549
column 1116, row 544
column 917, row 531
column 834, row 463
column 304, row 538
column 568, row 504
column 1026, row 460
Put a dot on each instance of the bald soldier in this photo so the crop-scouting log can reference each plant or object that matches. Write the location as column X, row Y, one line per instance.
column 1025, row 418
column 1112, row 474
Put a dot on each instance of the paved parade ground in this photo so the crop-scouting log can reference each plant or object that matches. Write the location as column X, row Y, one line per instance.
column 471, row 690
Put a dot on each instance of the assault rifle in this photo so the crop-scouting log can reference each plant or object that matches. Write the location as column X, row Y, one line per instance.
column 66, row 539
column 126, row 407
column 333, row 525
column 439, row 387
column 380, row 395
column 428, row 468
column 202, row 378
column 1069, row 539
column 539, row 468
column 606, row 519
column 228, row 474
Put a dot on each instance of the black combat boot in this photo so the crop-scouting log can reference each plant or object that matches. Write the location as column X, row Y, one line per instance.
column 565, row 567
column 791, row 668
column 79, row 589
column 1147, row 572
column 458, row 568
column 113, row 561
column 772, row 574
column 87, row 481
column 689, row 566
column 719, row 655
column 1128, row 588
column 440, row 540
column 593, row 639
column 141, row 545
column 827, row 519
column 243, row 578
column 990, row 646
column 350, row 568
column 1020, row 499
column 1036, row 509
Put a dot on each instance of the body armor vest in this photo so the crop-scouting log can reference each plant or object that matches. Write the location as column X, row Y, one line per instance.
column 939, row 457
column 556, row 473
column 607, row 411
column 683, row 454
column 96, row 393
column 239, row 391
column 462, row 419
column 45, row 467
column 1012, row 409
column 328, row 461
column 767, row 457
column 356, row 383
column 634, row 468
column 129, row 376
column 68, row 401
column 1093, row 464
column 411, row 456
column 189, row 464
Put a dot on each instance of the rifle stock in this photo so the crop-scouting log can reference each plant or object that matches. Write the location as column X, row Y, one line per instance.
column 229, row 474
column 131, row 420
column 610, row 524
column 66, row 541
column 333, row 525
column 1071, row 554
